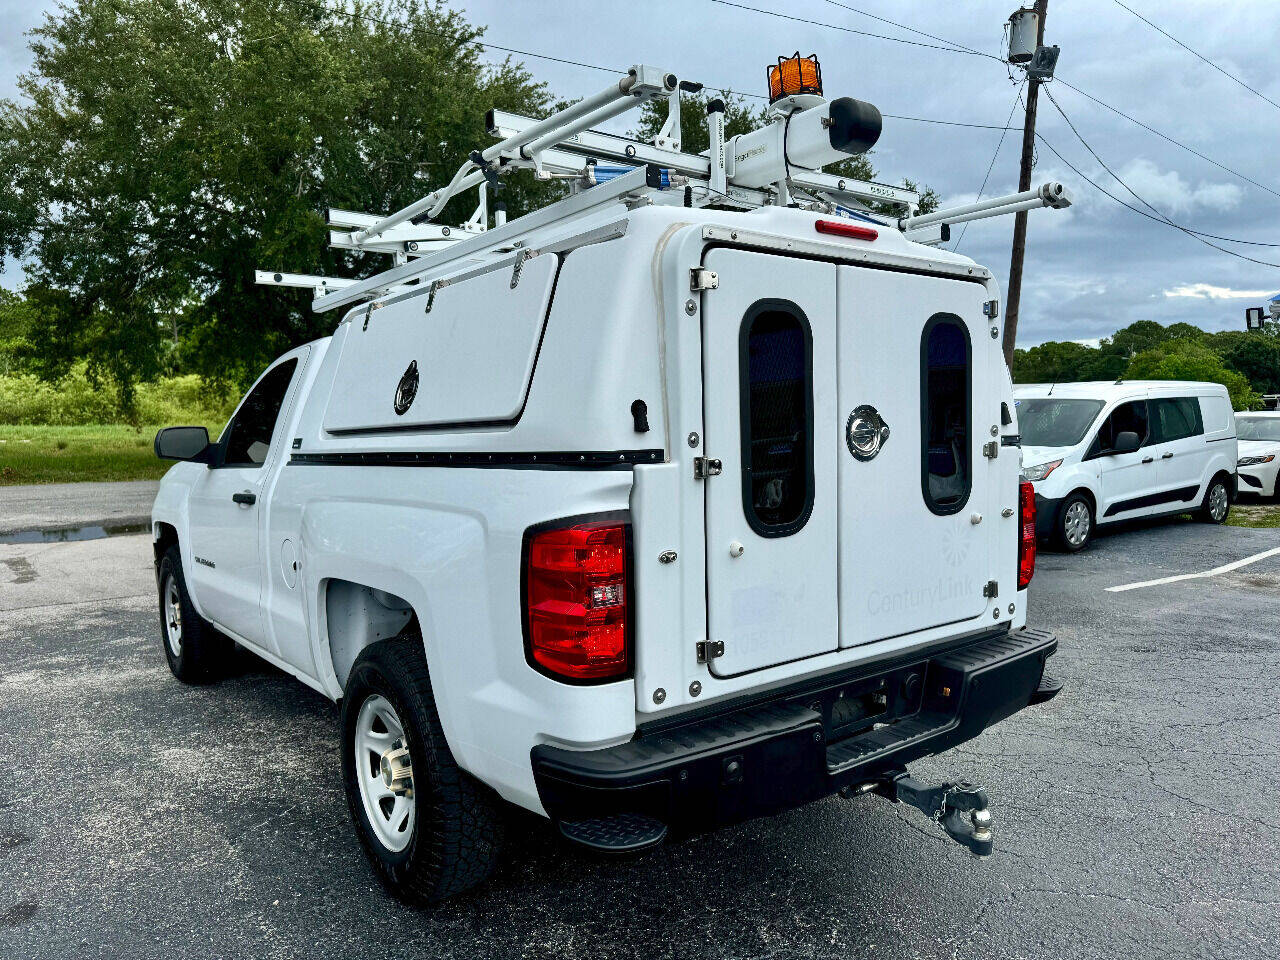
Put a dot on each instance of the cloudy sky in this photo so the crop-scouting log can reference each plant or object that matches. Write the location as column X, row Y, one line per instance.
column 1090, row 269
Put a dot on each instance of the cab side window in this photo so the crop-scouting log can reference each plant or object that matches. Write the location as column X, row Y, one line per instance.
column 1131, row 417
column 247, row 439
column 1175, row 418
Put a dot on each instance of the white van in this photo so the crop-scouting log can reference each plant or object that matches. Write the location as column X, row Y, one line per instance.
column 1101, row 452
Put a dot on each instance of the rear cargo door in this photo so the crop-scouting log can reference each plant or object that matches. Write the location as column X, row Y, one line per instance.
column 919, row 512
column 770, row 418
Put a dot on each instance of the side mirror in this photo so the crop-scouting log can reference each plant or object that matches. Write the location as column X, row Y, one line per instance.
column 184, row 443
column 1126, row 442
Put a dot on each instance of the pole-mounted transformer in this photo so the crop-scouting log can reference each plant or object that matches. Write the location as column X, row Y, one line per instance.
column 1023, row 27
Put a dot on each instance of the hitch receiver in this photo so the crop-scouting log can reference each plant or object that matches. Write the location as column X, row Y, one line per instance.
column 959, row 808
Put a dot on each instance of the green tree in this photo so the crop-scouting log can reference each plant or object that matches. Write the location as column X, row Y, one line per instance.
column 163, row 150
column 740, row 117
column 1066, row 362
column 1184, row 331
column 16, row 320
column 1188, row 360
column 1256, row 355
column 1135, row 338
column 1051, row 362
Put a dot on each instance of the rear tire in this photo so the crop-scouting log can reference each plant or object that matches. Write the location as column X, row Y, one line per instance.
column 1216, row 506
column 1074, row 528
column 446, row 836
column 195, row 651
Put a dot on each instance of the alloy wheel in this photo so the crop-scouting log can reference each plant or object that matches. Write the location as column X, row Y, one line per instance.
column 1077, row 523
column 1218, row 502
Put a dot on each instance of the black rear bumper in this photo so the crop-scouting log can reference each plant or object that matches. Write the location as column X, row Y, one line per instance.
column 802, row 742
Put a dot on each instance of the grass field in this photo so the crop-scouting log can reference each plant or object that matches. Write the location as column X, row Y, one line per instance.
column 1255, row 513
column 70, row 454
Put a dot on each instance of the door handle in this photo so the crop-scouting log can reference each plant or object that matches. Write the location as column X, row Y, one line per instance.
column 246, row 498
column 1165, row 456
column 1148, row 459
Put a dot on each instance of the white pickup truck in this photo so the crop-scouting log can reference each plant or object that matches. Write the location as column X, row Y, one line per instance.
column 658, row 519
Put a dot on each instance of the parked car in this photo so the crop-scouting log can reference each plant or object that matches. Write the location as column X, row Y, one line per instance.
column 1259, row 463
column 1098, row 453
column 730, row 522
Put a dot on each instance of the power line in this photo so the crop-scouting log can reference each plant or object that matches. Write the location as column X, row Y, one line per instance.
column 592, row 66
column 1165, row 136
column 954, row 47
column 1142, row 213
column 1017, row 99
column 903, row 26
column 861, row 33
column 952, row 123
column 1160, row 213
column 1198, row 55
column 356, row 15
column 614, row 70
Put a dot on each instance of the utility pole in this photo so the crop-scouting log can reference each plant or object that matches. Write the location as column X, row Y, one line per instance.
column 1014, row 298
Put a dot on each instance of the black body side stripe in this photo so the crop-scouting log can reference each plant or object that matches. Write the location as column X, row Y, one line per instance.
column 1154, row 499
column 541, row 460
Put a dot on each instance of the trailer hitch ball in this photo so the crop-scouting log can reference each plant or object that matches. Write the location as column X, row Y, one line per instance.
column 981, row 820
column 960, row 808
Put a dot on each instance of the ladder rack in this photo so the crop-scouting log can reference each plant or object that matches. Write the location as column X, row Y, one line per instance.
column 745, row 172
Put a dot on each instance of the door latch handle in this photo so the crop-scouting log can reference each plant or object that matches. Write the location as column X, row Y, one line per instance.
column 1165, row 456
column 1148, row 459
column 246, row 498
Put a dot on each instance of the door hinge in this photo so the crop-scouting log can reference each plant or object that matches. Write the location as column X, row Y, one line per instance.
column 992, row 589
column 991, row 309
column 704, row 467
column 708, row 650
column 991, row 450
column 700, row 278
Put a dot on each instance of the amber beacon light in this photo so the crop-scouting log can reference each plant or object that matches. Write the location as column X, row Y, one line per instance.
column 795, row 75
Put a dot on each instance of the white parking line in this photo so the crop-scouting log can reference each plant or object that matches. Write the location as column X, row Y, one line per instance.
column 1225, row 568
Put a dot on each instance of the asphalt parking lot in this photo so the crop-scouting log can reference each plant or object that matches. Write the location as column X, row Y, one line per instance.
column 1137, row 815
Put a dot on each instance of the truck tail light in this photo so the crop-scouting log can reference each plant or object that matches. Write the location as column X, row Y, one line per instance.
column 577, row 595
column 842, row 228
column 1026, row 533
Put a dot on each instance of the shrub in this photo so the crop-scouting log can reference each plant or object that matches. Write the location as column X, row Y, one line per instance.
column 26, row 400
column 1188, row 360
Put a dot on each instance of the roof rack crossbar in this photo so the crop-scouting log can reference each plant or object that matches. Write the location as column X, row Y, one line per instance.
column 593, row 143
column 634, row 183
column 641, row 83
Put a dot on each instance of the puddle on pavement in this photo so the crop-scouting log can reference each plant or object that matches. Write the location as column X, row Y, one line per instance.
column 21, row 569
column 66, row 534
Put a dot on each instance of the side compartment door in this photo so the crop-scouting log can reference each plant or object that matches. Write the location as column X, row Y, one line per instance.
column 226, row 506
column 920, row 508
column 769, row 413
